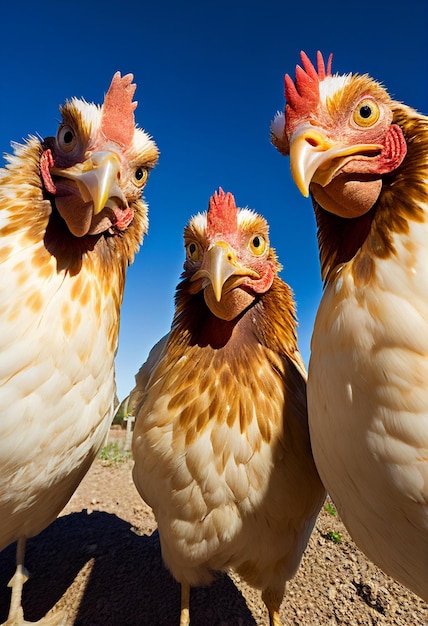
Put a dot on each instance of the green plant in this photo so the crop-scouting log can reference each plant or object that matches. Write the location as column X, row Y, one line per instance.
column 334, row 537
column 330, row 509
column 114, row 453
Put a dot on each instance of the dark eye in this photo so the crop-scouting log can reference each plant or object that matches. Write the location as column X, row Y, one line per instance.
column 258, row 245
column 193, row 251
column 66, row 138
column 366, row 113
column 140, row 176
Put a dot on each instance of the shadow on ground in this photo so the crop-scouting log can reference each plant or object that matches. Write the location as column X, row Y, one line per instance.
column 127, row 584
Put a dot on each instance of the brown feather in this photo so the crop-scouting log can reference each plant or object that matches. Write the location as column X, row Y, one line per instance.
column 221, row 442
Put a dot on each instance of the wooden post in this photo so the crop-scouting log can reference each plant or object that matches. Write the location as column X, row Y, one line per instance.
column 130, row 419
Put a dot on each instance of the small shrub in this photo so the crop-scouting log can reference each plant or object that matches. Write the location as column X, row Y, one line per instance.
column 114, row 453
column 330, row 509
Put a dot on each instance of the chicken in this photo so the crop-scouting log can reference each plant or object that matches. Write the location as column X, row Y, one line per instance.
column 364, row 159
column 221, row 441
column 71, row 220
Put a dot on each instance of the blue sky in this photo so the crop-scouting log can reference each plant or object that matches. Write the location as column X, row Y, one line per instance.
column 209, row 80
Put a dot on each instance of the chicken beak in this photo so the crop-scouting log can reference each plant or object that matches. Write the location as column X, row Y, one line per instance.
column 220, row 264
column 315, row 157
column 96, row 179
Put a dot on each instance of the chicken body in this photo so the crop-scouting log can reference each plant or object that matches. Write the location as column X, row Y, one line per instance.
column 221, row 442
column 365, row 158
column 71, row 220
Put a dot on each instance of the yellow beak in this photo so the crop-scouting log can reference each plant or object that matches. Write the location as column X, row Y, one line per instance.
column 220, row 264
column 315, row 157
column 96, row 178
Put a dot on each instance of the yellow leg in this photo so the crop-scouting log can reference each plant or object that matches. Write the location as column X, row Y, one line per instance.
column 185, row 600
column 273, row 602
column 16, row 612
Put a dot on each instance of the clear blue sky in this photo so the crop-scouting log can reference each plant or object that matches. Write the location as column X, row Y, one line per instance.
column 209, row 80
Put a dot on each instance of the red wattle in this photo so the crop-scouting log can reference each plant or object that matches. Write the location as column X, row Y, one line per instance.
column 394, row 151
column 46, row 162
column 123, row 218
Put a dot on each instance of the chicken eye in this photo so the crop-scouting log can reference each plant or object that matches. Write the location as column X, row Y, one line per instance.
column 140, row 176
column 258, row 245
column 66, row 138
column 193, row 251
column 366, row 113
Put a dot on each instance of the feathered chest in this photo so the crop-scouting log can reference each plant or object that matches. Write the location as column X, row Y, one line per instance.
column 377, row 302
column 211, row 413
column 43, row 301
column 367, row 391
column 58, row 337
column 222, row 386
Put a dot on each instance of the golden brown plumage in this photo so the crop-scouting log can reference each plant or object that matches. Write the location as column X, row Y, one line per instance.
column 221, row 442
column 71, row 220
column 364, row 159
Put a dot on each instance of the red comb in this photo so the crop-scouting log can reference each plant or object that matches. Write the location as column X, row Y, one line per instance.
column 222, row 216
column 117, row 123
column 302, row 94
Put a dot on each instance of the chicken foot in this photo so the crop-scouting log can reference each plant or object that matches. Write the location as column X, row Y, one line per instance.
column 16, row 612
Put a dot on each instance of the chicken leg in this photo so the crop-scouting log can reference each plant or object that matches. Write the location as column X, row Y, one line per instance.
column 185, row 600
column 16, row 612
column 272, row 601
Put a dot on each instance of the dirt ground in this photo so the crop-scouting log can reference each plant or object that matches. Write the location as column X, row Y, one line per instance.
column 99, row 564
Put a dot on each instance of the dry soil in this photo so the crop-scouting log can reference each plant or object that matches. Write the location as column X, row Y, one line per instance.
column 99, row 564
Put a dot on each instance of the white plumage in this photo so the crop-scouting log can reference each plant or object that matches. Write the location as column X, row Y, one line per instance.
column 363, row 157
column 71, row 220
